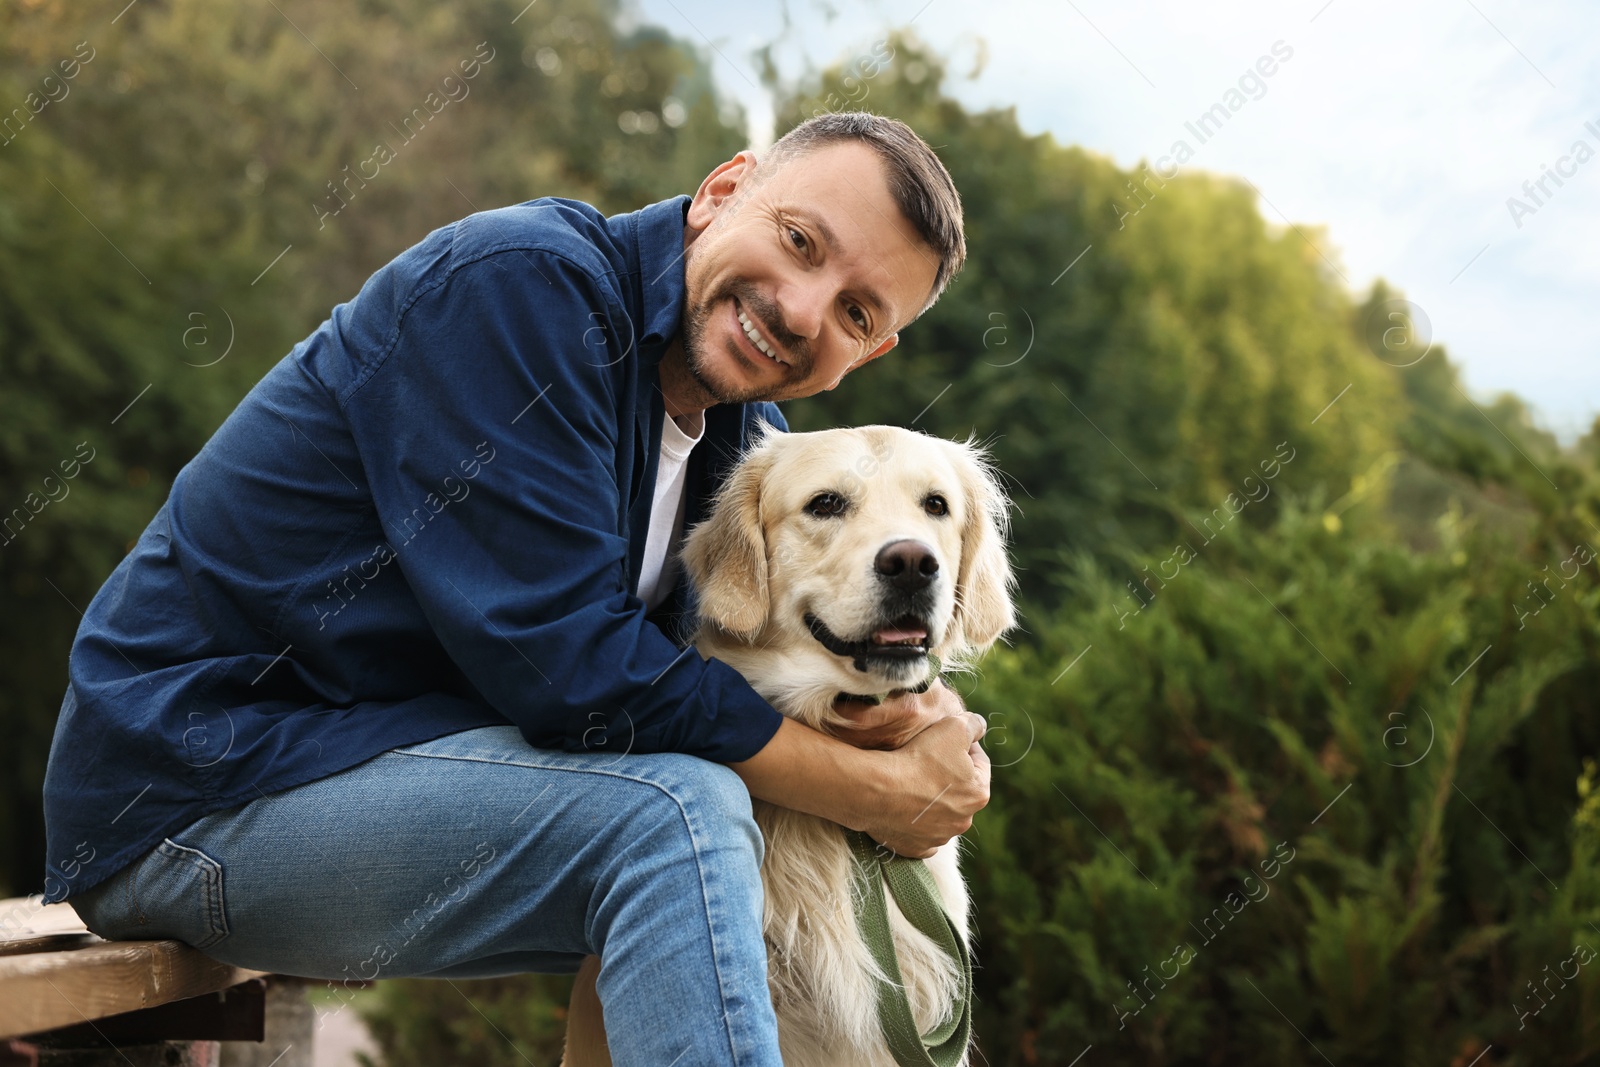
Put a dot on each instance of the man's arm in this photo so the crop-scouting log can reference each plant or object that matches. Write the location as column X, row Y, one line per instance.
column 489, row 430
column 912, row 799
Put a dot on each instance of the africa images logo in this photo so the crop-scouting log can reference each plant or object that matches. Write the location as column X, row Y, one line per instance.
column 1579, row 154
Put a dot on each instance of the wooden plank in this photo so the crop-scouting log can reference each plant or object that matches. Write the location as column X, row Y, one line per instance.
column 28, row 924
column 42, row 991
column 46, row 943
column 237, row 1013
column 24, row 918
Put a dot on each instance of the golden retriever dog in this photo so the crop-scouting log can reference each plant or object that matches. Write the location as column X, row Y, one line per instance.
column 841, row 562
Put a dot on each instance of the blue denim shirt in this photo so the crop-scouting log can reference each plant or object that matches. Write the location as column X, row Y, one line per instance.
column 429, row 516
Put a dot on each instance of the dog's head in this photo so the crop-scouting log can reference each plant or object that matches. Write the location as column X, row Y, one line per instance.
column 855, row 553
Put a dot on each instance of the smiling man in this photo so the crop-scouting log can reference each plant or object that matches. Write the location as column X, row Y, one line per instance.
column 396, row 681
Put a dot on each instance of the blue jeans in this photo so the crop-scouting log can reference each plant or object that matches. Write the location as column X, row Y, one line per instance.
column 475, row 855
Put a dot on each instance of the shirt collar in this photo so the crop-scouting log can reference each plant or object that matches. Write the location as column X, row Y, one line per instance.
column 658, row 238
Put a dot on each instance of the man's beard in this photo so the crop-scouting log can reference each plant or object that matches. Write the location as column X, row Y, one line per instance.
column 760, row 311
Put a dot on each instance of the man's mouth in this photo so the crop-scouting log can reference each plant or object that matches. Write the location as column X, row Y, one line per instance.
column 753, row 333
column 903, row 640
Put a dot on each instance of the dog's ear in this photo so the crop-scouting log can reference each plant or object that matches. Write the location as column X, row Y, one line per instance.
column 726, row 555
column 984, row 581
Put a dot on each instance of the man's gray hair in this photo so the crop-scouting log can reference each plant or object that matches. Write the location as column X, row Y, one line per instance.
column 918, row 180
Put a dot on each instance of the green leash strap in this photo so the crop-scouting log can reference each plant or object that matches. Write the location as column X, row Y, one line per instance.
column 918, row 898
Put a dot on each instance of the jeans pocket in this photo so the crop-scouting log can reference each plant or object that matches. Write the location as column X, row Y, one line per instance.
column 173, row 892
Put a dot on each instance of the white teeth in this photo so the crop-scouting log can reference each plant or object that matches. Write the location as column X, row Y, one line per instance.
column 755, row 339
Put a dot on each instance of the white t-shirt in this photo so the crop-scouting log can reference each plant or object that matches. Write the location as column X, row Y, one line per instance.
column 659, row 570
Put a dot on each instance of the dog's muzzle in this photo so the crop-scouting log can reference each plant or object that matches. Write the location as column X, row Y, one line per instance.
column 903, row 641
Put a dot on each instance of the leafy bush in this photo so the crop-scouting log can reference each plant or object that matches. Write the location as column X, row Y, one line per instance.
column 1316, row 784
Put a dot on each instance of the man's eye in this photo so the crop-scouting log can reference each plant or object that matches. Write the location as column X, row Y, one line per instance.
column 858, row 316
column 798, row 239
column 826, row 506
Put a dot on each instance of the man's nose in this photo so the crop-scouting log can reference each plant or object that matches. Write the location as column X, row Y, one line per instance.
column 802, row 306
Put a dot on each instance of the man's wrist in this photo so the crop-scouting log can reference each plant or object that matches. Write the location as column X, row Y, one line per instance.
column 806, row 770
column 866, row 771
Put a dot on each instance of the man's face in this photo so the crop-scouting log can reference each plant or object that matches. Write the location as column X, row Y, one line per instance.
column 817, row 260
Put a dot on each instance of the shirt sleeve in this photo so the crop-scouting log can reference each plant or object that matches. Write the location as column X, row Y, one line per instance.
column 493, row 417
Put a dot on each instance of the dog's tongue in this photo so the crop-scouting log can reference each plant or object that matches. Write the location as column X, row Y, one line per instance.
column 891, row 635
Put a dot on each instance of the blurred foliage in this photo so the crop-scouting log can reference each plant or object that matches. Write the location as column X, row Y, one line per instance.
column 1300, row 615
column 488, row 1022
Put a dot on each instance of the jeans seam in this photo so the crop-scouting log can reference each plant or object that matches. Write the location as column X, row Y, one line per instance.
column 717, row 951
column 540, row 766
column 215, row 915
column 711, row 930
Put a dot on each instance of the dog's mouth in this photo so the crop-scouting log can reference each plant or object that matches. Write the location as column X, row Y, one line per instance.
column 904, row 640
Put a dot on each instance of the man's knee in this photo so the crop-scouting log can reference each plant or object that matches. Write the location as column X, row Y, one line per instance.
column 711, row 800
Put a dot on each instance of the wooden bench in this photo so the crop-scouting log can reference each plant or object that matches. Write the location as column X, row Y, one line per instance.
column 69, row 998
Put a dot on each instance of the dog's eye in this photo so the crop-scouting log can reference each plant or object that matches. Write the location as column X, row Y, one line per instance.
column 935, row 505
column 826, row 506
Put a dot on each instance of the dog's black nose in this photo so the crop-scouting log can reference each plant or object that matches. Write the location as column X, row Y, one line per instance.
column 907, row 565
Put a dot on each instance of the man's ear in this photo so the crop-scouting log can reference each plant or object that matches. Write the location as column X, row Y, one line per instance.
column 984, row 607
column 893, row 340
column 718, row 188
column 725, row 556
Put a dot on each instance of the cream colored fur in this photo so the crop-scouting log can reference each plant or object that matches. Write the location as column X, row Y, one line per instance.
column 760, row 564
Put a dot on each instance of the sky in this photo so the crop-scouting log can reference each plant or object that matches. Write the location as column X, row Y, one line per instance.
column 1404, row 129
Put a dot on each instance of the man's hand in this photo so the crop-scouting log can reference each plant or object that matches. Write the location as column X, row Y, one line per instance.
column 897, row 720
column 937, row 782
column 912, row 800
